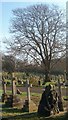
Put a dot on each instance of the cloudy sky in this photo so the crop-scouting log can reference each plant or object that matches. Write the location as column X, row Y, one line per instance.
column 6, row 8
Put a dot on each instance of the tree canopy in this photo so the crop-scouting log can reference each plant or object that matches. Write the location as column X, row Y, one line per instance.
column 38, row 33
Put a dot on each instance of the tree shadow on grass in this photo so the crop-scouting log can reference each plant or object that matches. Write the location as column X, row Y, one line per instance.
column 34, row 116
column 8, row 109
column 28, row 116
column 19, row 113
column 22, row 116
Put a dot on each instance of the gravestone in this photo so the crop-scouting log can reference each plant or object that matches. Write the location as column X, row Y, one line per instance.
column 4, row 95
column 14, row 90
column 60, row 104
column 28, row 90
column 29, row 105
column 13, row 100
column 46, row 102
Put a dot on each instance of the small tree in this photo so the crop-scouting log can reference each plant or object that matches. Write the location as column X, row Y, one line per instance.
column 38, row 33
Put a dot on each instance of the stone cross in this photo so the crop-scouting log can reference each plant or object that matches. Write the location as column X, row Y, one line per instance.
column 28, row 90
column 14, row 90
column 29, row 105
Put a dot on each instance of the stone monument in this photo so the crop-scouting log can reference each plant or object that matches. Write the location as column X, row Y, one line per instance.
column 13, row 100
column 4, row 95
column 29, row 105
column 60, row 104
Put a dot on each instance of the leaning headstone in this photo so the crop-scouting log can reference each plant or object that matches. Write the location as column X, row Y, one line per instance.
column 29, row 105
column 4, row 95
column 19, row 92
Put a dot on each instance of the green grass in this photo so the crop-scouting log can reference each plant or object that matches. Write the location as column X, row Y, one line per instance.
column 18, row 114
column 1, row 91
column 32, row 94
column 34, row 116
column 7, row 111
column 23, row 93
column 65, row 97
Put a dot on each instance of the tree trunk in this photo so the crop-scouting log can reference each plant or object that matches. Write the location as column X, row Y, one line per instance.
column 47, row 77
column 47, row 71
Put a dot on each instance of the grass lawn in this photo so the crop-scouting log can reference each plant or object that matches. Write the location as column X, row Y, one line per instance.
column 11, row 112
column 34, row 116
column 18, row 114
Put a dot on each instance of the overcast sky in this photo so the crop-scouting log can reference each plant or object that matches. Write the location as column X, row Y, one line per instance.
column 6, row 8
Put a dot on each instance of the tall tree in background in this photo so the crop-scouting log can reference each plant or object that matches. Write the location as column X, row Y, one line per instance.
column 38, row 33
column 8, row 63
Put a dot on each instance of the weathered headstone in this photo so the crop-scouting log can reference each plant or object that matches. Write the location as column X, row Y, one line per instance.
column 29, row 105
column 19, row 92
column 4, row 95
column 28, row 90
column 14, row 100
column 14, row 90
column 46, row 102
column 60, row 104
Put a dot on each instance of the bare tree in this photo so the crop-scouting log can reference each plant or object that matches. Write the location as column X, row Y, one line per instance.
column 38, row 32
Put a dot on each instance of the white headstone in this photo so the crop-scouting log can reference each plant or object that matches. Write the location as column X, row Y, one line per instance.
column 28, row 90
column 14, row 90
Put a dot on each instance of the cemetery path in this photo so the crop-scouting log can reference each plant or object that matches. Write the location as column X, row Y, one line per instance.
column 33, row 89
column 36, row 90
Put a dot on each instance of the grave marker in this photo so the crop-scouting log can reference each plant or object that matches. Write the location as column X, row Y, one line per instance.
column 29, row 105
column 14, row 100
column 60, row 104
column 14, row 90
column 28, row 90
column 4, row 95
